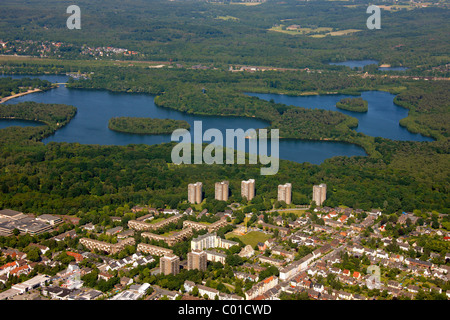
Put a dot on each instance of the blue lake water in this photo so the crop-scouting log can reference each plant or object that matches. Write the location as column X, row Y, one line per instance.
column 354, row 63
column 362, row 63
column 96, row 107
column 4, row 123
column 381, row 119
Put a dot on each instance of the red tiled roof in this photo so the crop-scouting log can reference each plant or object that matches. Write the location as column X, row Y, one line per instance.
column 10, row 264
column 77, row 256
column 18, row 269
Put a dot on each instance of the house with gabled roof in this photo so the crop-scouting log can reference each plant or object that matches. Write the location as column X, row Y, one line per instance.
column 344, row 295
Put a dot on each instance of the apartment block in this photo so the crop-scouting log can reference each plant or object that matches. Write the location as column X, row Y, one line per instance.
column 169, row 264
column 319, row 193
column 171, row 239
column 145, row 226
column 153, row 250
column 211, row 240
column 197, row 259
column 285, row 193
column 215, row 256
column 195, row 192
column 222, row 190
column 110, row 248
column 203, row 226
column 248, row 189
column 261, row 287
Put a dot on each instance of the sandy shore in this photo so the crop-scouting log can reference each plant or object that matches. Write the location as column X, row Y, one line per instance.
column 19, row 95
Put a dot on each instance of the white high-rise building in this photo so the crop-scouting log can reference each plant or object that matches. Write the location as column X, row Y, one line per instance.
column 285, row 193
column 320, row 193
column 195, row 192
column 248, row 189
column 169, row 264
column 221, row 191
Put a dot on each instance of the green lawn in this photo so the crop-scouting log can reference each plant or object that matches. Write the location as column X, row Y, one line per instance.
column 252, row 238
column 156, row 220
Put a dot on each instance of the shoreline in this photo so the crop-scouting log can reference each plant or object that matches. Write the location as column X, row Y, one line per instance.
column 18, row 95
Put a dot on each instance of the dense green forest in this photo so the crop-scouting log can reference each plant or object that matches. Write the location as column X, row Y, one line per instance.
column 9, row 86
column 52, row 116
column 429, row 107
column 146, row 125
column 76, row 179
column 353, row 104
column 192, row 32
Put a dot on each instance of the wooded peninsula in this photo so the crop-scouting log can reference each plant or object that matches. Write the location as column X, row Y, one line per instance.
column 146, row 125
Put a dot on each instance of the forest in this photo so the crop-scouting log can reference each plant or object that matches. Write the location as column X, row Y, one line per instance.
column 77, row 179
column 9, row 86
column 52, row 116
column 146, row 125
column 192, row 32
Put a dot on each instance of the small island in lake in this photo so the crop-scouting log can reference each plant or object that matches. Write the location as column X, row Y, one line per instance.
column 353, row 104
column 146, row 125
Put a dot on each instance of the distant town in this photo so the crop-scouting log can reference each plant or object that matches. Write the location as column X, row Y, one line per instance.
column 288, row 253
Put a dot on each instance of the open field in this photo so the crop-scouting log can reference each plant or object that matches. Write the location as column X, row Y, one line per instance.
column 297, row 212
column 247, row 3
column 314, row 32
column 343, row 32
column 252, row 238
column 227, row 18
column 156, row 220
column 169, row 233
column 302, row 31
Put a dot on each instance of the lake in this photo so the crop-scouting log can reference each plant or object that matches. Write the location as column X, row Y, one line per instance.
column 353, row 64
column 96, row 107
column 381, row 119
column 4, row 123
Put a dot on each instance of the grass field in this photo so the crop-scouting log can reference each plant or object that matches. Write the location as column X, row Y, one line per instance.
column 156, row 220
column 252, row 238
column 297, row 212
column 169, row 233
column 343, row 32
column 227, row 18
column 299, row 31
column 316, row 32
